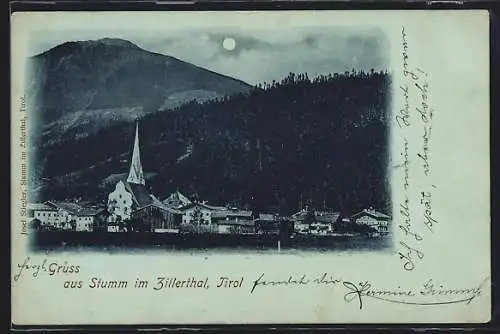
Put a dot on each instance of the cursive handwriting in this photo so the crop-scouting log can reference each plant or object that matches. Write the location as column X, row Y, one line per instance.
column 409, row 255
column 34, row 268
column 424, row 155
column 403, row 117
column 429, row 293
column 290, row 281
column 426, row 201
column 404, row 43
column 406, row 164
column 426, row 115
column 51, row 267
column 424, row 109
column 412, row 297
column 324, row 280
column 405, row 226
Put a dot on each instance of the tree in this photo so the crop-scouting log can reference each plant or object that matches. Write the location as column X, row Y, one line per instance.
column 197, row 220
column 36, row 224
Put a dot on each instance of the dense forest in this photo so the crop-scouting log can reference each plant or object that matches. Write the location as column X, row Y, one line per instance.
column 321, row 142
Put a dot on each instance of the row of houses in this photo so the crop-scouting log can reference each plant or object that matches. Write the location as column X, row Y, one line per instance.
column 179, row 214
column 131, row 207
column 309, row 221
column 65, row 215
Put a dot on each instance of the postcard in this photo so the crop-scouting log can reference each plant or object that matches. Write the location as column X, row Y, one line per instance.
column 250, row 167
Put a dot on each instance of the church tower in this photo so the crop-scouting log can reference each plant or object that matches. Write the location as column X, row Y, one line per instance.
column 136, row 174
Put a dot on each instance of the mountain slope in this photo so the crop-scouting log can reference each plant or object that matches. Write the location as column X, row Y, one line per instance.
column 117, row 74
column 322, row 142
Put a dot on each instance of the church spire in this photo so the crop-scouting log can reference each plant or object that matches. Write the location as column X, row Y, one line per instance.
column 136, row 175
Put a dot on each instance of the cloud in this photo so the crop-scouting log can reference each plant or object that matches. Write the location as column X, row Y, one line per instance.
column 260, row 55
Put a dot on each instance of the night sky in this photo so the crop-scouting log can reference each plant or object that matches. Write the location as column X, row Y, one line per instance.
column 252, row 55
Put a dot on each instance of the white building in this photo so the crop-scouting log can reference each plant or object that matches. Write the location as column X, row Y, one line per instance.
column 233, row 221
column 374, row 219
column 65, row 215
column 315, row 222
column 45, row 213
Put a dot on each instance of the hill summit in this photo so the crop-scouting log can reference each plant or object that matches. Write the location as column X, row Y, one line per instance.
column 110, row 73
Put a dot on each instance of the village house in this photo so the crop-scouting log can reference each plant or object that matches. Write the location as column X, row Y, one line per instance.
column 234, row 221
column 197, row 217
column 66, row 215
column 76, row 216
column 372, row 218
column 176, row 200
column 155, row 217
column 300, row 222
column 324, row 222
column 46, row 214
column 315, row 222
column 266, row 223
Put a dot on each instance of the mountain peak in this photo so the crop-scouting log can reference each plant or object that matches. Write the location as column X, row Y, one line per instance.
column 71, row 46
column 114, row 42
column 112, row 73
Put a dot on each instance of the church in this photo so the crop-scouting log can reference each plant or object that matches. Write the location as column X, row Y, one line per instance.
column 132, row 207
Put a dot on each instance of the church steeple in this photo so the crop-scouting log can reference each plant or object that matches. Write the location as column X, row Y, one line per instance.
column 136, row 175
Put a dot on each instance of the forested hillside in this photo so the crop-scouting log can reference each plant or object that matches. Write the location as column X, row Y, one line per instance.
column 321, row 141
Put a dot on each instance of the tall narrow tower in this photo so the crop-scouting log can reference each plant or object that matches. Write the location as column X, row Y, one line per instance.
column 136, row 175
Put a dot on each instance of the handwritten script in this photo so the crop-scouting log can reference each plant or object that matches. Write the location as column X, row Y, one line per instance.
column 415, row 114
column 430, row 293
column 70, row 276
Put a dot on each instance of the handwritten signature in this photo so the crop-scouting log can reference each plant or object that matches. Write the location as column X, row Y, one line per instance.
column 429, row 294
column 410, row 297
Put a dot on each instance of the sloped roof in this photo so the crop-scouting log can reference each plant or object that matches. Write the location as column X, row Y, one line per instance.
column 203, row 205
column 176, row 200
column 326, row 217
column 239, row 213
column 320, row 216
column 372, row 213
column 219, row 214
column 76, row 209
column 113, row 178
column 299, row 215
column 40, row 207
column 266, row 217
column 140, row 194
column 215, row 207
column 233, row 221
column 230, row 213
column 160, row 206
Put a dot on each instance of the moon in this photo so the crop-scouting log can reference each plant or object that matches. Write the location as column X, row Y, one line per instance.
column 229, row 43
